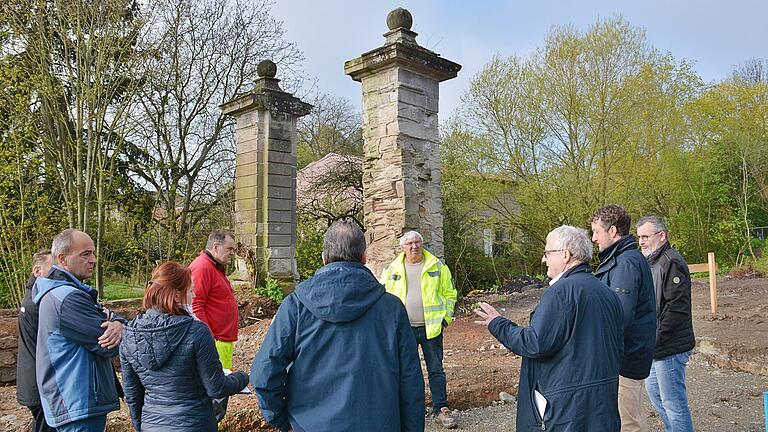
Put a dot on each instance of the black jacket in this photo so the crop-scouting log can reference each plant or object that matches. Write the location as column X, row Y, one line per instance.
column 625, row 270
column 26, row 381
column 171, row 371
column 674, row 331
column 571, row 352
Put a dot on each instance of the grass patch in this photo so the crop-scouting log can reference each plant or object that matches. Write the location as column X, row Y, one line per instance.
column 117, row 291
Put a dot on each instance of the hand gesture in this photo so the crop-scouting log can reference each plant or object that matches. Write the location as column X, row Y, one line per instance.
column 486, row 312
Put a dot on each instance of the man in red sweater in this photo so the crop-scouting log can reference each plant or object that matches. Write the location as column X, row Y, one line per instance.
column 214, row 302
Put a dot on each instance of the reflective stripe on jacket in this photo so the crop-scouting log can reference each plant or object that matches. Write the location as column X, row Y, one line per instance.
column 437, row 290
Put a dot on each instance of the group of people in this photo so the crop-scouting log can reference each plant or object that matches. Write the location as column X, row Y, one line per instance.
column 175, row 358
column 597, row 338
column 341, row 353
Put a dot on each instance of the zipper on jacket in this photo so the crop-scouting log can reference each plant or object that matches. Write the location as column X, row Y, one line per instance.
column 95, row 385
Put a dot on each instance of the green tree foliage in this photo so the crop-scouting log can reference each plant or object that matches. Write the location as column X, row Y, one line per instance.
column 592, row 118
column 118, row 123
column 729, row 151
column 82, row 62
column 309, row 245
column 28, row 215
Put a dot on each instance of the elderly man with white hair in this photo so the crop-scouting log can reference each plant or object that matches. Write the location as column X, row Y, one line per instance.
column 571, row 347
column 424, row 284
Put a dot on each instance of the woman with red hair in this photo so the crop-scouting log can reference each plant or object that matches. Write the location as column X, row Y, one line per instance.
column 171, row 370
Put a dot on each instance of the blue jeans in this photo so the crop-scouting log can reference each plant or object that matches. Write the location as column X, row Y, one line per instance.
column 666, row 389
column 433, row 357
column 91, row 424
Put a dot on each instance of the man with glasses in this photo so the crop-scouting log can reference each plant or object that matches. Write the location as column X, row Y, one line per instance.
column 424, row 285
column 572, row 346
column 624, row 269
column 674, row 328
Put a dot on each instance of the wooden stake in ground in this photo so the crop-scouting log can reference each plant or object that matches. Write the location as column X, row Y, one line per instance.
column 711, row 268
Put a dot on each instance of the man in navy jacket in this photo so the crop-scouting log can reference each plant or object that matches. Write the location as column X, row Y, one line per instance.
column 340, row 354
column 626, row 271
column 571, row 348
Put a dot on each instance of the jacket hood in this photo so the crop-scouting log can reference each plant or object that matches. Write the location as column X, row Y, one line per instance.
column 59, row 277
column 340, row 292
column 44, row 285
column 152, row 337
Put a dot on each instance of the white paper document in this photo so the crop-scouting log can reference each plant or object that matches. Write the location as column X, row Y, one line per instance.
column 245, row 389
column 541, row 403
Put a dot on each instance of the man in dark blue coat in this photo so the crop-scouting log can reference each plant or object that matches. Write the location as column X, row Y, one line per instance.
column 626, row 271
column 340, row 354
column 571, row 348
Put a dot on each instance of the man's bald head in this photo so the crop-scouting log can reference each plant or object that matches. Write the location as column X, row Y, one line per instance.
column 74, row 252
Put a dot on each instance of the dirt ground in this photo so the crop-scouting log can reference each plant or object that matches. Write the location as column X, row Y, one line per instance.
column 726, row 375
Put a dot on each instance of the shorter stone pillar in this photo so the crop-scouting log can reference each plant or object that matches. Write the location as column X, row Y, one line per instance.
column 265, row 178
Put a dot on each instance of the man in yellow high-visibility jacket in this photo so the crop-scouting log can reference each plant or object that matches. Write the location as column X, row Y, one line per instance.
column 424, row 285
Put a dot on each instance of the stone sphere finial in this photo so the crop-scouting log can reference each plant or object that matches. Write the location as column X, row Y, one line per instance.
column 399, row 18
column 266, row 68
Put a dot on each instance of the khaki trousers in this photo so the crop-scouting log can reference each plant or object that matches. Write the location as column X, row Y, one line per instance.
column 631, row 407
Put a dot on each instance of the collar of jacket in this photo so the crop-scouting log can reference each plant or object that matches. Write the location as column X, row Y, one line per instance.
column 215, row 262
column 652, row 258
column 624, row 243
column 342, row 264
column 581, row 268
column 429, row 259
column 58, row 273
column 31, row 282
column 152, row 312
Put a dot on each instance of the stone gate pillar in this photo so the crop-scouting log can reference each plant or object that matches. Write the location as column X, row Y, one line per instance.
column 265, row 178
column 401, row 168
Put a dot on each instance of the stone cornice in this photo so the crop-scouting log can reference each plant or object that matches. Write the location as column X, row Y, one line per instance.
column 266, row 96
column 407, row 55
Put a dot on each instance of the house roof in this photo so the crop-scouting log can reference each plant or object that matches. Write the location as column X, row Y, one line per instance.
column 312, row 181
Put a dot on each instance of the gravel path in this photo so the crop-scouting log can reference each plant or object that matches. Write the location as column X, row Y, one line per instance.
column 720, row 399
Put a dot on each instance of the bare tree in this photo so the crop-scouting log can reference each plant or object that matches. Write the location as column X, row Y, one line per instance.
column 333, row 126
column 331, row 189
column 752, row 71
column 205, row 53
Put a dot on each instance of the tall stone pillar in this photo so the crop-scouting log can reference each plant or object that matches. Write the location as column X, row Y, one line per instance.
column 401, row 171
column 265, row 178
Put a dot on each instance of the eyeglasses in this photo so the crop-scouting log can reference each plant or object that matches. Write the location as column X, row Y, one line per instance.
column 546, row 252
column 412, row 244
column 646, row 237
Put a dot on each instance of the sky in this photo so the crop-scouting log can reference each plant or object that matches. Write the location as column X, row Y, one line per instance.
column 715, row 35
